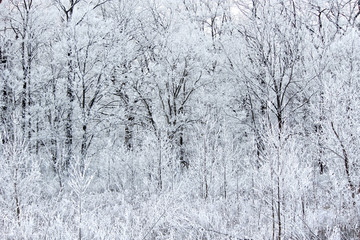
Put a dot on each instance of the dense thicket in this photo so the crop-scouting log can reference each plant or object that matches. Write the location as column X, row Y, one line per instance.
column 179, row 119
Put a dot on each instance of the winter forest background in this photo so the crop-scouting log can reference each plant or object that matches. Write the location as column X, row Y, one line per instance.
column 179, row 119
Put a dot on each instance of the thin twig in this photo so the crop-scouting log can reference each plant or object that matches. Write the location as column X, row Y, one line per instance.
column 152, row 227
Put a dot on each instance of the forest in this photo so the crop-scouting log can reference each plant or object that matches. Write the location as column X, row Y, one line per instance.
column 179, row 119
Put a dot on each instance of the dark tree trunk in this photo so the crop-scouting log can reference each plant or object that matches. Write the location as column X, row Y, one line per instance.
column 84, row 147
column 129, row 130
column 69, row 116
column 6, row 114
column 184, row 163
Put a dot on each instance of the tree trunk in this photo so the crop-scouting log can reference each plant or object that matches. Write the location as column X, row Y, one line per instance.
column 69, row 116
column 6, row 101
column 129, row 130
column 84, row 145
column 160, row 165
column 183, row 162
